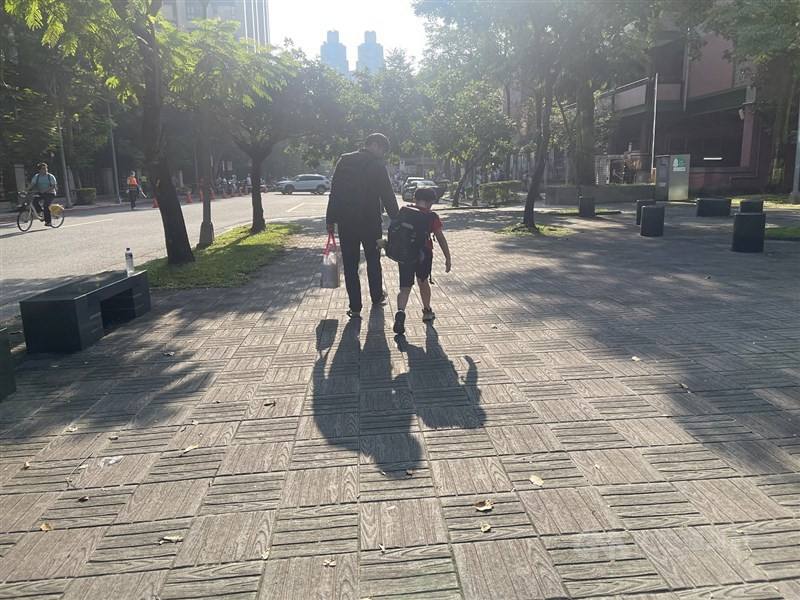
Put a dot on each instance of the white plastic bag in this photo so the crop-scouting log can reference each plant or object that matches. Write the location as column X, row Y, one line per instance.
column 330, row 264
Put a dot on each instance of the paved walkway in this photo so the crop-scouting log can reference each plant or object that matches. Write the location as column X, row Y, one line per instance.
column 627, row 408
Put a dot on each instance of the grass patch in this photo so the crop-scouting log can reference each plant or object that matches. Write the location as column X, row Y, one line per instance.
column 770, row 200
column 228, row 262
column 783, row 233
column 545, row 230
column 570, row 212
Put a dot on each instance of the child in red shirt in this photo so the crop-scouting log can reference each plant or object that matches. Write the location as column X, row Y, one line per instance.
column 424, row 198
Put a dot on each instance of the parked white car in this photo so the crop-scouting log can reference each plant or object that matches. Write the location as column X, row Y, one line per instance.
column 309, row 182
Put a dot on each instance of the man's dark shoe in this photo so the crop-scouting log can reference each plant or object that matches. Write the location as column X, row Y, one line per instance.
column 399, row 322
column 354, row 314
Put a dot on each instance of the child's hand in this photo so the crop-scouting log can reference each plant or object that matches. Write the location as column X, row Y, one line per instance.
column 447, row 266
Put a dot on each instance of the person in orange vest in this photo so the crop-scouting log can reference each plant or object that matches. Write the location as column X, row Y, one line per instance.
column 134, row 189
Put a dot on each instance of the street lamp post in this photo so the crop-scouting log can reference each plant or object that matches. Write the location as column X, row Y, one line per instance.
column 113, row 154
column 794, row 197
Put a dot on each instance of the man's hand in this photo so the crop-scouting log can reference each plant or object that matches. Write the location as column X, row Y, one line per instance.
column 447, row 266
column 331, row 228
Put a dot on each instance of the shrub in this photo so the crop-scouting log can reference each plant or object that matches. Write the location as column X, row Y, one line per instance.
column 86, row 196
column 499, row 192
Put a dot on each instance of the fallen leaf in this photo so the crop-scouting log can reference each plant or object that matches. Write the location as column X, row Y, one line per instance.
column 194, row 421
column 536, row 480
column 113, row 437
column 189, row 448
column 46, row 526
column 168, row 353
column 107, row 461
column 409, row 472
column 81, row 467
column 26, row 466
column 485, row 527
column 684, row 386
column 635, row 358
column 72, row 428
column 484, row 506
column 329, row 563
column 269, row 403
column 708, row 276
column 383, row 548
column 83, row 499
column 264, row 555
column 172, row 539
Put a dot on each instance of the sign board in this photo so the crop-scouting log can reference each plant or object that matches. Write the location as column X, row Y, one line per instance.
column 678, row 177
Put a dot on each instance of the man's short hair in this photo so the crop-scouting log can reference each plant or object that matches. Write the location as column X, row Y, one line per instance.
column 41, row 164
column 425, row 194
column 378, row 139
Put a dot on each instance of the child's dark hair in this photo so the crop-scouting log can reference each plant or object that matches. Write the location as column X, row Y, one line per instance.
column 425, row 194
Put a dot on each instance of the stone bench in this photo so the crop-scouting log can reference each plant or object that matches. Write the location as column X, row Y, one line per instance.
column 73, row 316
column 748, row 232
column 652, row 221
column 713, row 207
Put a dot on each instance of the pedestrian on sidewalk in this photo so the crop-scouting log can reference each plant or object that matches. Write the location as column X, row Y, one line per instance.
column 45, row 184
column 360, row 191
column 134, row 189
column 429, row 223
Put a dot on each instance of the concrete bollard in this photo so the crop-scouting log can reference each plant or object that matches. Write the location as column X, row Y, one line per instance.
column 751, row 206
column 652, row 221
column 586, row 207
column 748, row 232
column 713, row 207
column 8, row 383
column 639, row 205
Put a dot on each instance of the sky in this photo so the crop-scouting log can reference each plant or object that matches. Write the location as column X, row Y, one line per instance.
column 306, row 22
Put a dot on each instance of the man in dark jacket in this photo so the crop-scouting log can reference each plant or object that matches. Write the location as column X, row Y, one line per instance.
column 360, row 190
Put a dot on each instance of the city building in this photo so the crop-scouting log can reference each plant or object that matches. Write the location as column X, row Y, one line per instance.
column 334, row 54
column 252, row 15
column 370, row 53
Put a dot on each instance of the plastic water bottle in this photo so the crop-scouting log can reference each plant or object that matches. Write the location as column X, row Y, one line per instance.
column 129, row 262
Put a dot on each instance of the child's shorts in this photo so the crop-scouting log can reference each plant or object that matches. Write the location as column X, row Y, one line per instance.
column 421, row 269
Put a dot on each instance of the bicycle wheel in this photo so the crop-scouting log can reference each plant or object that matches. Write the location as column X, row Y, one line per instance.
column 57, row 217
column 25, row 219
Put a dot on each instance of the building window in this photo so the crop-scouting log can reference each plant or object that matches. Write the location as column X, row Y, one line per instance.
column 194, row 11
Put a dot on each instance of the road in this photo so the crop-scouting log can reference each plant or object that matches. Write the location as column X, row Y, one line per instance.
column 94, row 240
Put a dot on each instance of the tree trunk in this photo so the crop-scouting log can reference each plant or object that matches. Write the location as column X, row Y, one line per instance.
column 256, row 160
column 179, row 251
column 544, row 106
column 584, row 155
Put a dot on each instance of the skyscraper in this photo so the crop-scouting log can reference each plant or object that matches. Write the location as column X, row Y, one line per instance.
column 252, row 15
column 334, row 54
column 370, row 53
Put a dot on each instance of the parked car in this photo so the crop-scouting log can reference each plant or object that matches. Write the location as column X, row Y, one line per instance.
column 408, row 192
column 409, row 181
column 309, row 182
column 442, row 186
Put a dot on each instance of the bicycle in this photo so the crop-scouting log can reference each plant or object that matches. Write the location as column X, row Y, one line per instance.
column 27, row 214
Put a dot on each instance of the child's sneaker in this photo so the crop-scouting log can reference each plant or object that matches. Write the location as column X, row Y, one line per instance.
column 428, row 315
column 399, row 322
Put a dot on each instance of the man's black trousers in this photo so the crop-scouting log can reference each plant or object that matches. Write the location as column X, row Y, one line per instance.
column 351, row 243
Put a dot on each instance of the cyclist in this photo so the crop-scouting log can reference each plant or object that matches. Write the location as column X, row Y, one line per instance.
column 45, row 184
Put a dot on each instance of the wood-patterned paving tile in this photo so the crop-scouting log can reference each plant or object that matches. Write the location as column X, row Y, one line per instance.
column 468, row 443
column 225, row 538
column 508, row 518
column 312, row 454
column 606, row 467
column 49, row 554
column 391, row 448
column 7, row 541
column 34, row 590
column 523, row 439
column 731, row 500
column 234, row 581
column 82, row 508
column 401, row 524
column 783, row 489
column 137, row 547
column 592, row 435
column 755, row 457
column 141, row 441
column 715, row 428
column 45, row 476
column 280, row 429
column 127, row 586
column 168, row 500
column 177, row 465
column 568, row 510
column 556, row 469
column 395, row 481
column 596, row 564
column 695, row 556
column 247, row 492
column 20, row 512
column 692, row 461
column 240, row 459
column 455, row 477
column 308, row 577
column 652, row 432
column 317, row 531
column 651, row 506
column 566, row 410
column 771, row 545
column 512, row 569
column 315, row 487
column 600, row 388
column 746, row 591
column 409, row 573
column 623, row 407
